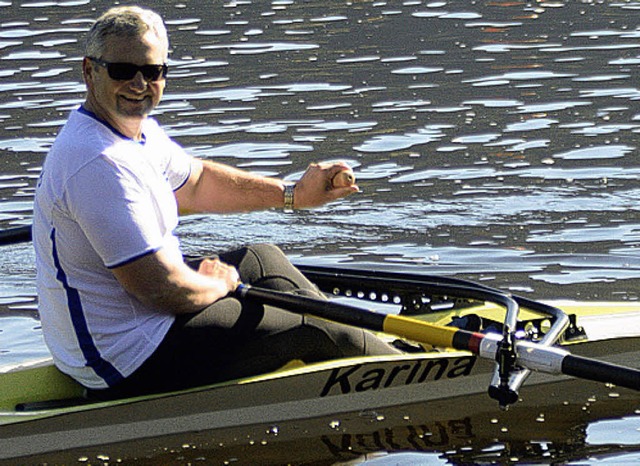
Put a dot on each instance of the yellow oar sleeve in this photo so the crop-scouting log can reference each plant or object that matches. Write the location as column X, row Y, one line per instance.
column 423, row 332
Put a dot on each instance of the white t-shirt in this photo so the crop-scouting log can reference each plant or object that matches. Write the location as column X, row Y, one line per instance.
column 102, row 201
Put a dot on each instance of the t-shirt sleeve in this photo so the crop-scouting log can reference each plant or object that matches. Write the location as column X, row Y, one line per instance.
column 176, row 163
column 178, row 167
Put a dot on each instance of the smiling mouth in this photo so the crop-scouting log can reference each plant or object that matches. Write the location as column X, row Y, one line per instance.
column 137, row 107
column 134, row 99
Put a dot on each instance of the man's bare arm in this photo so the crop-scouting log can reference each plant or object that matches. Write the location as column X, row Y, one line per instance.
column 219, row 188
column 174, row 287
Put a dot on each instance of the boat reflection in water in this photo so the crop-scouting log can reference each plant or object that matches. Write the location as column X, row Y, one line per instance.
column 547, row 426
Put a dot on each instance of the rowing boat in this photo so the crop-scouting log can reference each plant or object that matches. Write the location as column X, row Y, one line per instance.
column 42, row 410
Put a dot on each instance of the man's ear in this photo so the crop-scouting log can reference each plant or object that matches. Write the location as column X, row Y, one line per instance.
column 88, row 69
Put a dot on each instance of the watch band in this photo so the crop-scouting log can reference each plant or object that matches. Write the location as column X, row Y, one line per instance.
column 288, row 197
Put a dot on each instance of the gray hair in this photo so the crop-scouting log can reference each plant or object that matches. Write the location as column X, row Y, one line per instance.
column 127, row 21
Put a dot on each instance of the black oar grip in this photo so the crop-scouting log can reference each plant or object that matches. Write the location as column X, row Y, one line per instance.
column 600, row 371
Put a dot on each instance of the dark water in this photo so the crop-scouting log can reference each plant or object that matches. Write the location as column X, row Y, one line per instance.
column 492, row 140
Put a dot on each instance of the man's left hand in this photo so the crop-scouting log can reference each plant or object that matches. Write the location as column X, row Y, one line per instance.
column 319, row 184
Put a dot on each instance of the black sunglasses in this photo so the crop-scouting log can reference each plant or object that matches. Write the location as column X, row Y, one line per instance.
column 127, row 71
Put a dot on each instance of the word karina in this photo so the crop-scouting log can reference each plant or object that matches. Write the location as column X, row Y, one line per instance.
column 357, row 379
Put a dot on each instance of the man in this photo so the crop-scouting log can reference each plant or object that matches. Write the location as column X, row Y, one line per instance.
column 121, row 311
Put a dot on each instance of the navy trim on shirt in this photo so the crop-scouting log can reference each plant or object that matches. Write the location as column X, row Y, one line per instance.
column 135, row 258
column 185, row 180
column 93, row 358
column 90, row 114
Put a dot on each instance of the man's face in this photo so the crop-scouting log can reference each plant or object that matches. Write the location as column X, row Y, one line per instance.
column 129, row 101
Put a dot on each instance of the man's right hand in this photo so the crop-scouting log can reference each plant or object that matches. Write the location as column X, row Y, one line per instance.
column 218, row 270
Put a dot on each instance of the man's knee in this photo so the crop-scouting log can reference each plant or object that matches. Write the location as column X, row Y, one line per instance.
column 265, row 252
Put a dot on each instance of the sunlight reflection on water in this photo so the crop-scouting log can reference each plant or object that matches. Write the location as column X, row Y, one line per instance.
column 491, row 140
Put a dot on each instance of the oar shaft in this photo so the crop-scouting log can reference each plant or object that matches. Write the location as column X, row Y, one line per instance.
column 533, row 356
column 599, row 371
column 412, row 329
column 405, row 327
column 15, row 235
column 557, row 361
column 319, row 307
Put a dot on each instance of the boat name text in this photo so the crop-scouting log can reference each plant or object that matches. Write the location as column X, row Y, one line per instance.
column 361, row 377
